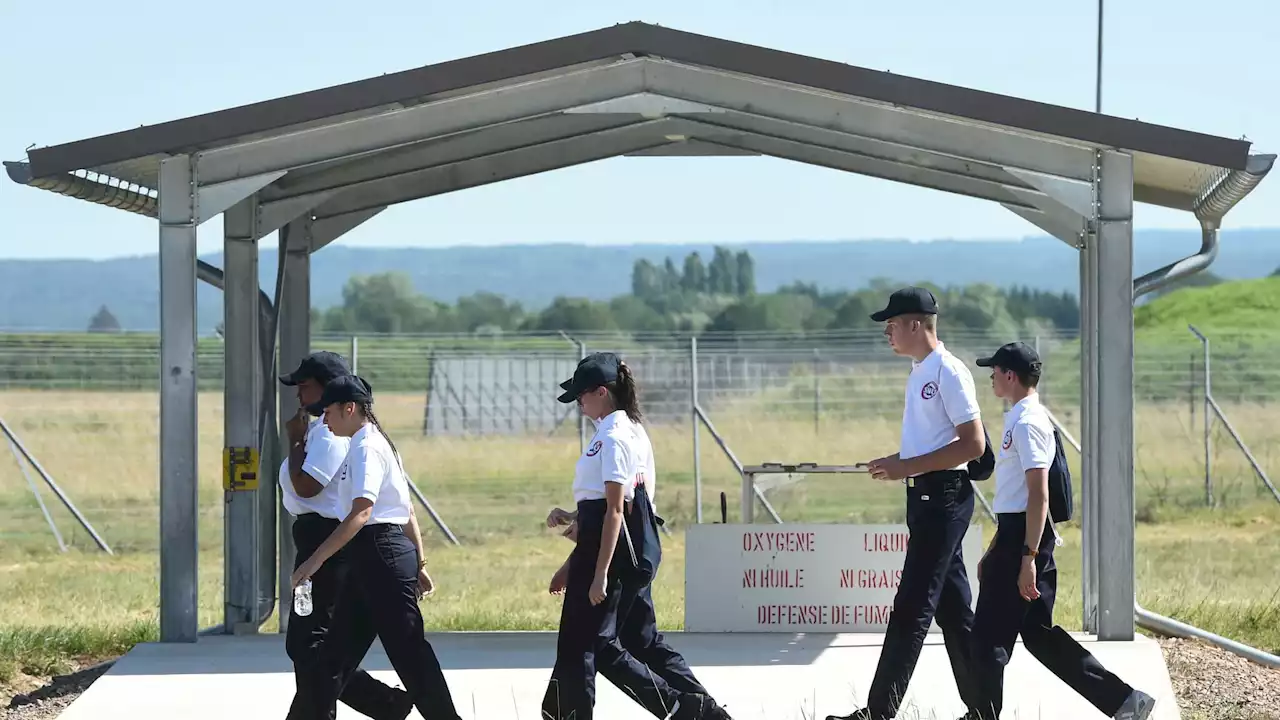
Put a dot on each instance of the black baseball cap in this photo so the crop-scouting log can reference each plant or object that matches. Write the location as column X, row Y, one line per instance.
column 320, row 366
column 1016, row 356
column 593, row 371
column 908, row 301
column 343, row 389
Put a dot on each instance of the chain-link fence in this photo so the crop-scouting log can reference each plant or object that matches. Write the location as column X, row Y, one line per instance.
column 478, row 420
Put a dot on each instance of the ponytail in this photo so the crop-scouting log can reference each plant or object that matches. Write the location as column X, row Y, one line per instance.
column 626, row 394
column 366, row 408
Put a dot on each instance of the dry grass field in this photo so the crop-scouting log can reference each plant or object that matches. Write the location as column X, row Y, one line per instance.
column 1212, row 568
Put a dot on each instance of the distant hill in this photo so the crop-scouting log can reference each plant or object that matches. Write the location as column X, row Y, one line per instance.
column 65, row 294
column 1242, row 306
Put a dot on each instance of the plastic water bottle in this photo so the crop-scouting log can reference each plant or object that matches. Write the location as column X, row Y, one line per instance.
column 302, row 598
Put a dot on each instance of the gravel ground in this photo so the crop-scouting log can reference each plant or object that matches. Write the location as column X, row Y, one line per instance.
column 1211, row 684
column 1214, row 684
column 50, row 699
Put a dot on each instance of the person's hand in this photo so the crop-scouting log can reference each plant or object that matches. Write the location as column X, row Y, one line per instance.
column 559, row 517
column 296, row 426
column 560, row 580
column 888, row 468
column 426, row 586
column 571, row 532
column 597, row 591
column 304, row 572
column 1027, row 580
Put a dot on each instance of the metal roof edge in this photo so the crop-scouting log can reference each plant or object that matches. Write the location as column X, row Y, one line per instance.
column 646, row 40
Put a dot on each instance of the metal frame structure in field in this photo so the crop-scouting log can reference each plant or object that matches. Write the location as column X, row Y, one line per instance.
column 317, row 164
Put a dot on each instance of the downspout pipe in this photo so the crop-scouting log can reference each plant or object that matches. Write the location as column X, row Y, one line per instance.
column 1209, row 210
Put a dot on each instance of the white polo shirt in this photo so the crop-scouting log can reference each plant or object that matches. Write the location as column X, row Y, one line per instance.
column 372, row 471
column 325, row 453
column 1026, row 443
column 620, row 452
column 940, row 396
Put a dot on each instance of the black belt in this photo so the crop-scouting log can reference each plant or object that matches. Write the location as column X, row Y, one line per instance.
column 936, row 479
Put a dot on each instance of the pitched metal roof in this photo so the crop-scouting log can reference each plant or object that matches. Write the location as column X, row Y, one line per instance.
column 633, row 88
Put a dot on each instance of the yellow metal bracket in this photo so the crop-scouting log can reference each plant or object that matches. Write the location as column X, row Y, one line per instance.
column 239, row 469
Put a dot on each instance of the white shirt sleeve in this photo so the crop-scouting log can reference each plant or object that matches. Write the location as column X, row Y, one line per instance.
column 367, row 469
column 325, row 453
column 1034, row 444
column 959, row 396
column 616, row 462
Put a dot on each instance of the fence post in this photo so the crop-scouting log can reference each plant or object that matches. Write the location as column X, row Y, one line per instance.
column 817, row 393
column 697, row 440
column 1208, row 419
column 582, row 419
column 355, row 355
column 1191, row 387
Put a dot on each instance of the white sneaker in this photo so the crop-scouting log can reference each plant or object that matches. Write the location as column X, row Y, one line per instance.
column 1137, row 706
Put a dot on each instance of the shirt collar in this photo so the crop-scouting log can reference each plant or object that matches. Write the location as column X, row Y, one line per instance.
column 1030, row 401
column 608, row 421
column 363, row 432
column 938, row 351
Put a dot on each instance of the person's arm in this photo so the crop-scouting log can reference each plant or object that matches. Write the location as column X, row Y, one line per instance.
column 1035, row 452
column 367, row 471
column 610, row 532
column 415, row 534
column 617, row 468
column 960, row 399
column 361, row 511
column 303, row 484
column 968, row 445
column 312, row 465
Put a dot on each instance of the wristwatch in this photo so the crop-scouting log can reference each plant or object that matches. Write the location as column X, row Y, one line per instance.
column 1028, row 551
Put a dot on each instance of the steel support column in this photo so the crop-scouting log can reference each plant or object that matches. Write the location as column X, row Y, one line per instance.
column 1113, row 431
column 295, row 343
column 1089, row 488
column 242, row 405
column 179, row 500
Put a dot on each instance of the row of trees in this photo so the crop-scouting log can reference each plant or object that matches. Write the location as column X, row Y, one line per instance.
column 716, row 296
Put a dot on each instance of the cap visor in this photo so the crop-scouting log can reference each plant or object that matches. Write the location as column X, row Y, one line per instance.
column 987, row 362
column 288, row 379
column 883, row 315
column 316, row 408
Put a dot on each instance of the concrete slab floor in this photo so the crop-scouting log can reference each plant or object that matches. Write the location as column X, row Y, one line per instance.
column 502, row 676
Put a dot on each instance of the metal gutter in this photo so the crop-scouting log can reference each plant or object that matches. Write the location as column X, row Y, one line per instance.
column 1209, row 210
column 133, row 198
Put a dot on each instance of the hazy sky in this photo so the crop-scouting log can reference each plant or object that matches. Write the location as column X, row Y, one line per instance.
column 108, row 67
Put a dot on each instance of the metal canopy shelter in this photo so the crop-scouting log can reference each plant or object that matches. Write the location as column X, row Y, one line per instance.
column 317, row 164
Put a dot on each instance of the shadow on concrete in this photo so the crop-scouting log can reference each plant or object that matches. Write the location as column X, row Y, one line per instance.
column 484, row 651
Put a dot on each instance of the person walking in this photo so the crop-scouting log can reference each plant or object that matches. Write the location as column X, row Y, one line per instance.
column 607, row 622
column 943, row 447
column 388, row 570
column 1017, row 575
column 306, row 475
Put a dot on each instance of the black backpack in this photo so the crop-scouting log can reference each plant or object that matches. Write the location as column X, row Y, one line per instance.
column 981, row 468
column 1060, row 501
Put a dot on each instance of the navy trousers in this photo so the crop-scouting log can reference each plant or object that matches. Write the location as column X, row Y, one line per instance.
column 1003, row 614
column 934, row 585
column 379, row 600
column 618, row 638
column 306, row 634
